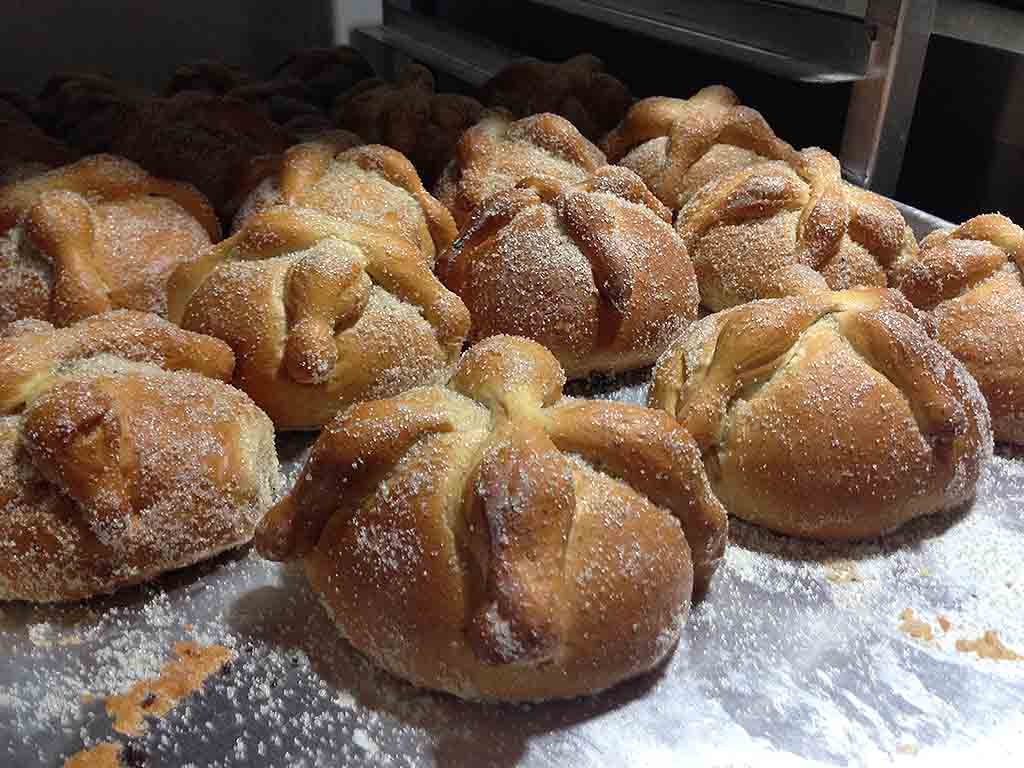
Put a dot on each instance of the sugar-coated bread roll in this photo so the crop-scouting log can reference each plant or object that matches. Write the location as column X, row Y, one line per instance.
column 123, row 454
column 829, row 416
column 969, row 280
column 499, row 152
column 593, row 271
column 678, row 145
column 96, row 235
column 410, row 117
column 743, row 227
column 320, row 313
column 372, row 185
column 578, row 89
column 495, row 540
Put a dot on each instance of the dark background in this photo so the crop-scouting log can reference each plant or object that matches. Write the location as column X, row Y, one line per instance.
column 966, row 146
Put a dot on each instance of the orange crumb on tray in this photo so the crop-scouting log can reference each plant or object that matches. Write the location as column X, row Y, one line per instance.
column 158, row 696
column 913, row 626
column 988, row 646
column 944, row 623
column 105, row 755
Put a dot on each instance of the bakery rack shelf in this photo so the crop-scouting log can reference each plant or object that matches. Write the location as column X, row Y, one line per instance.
column 877, row 46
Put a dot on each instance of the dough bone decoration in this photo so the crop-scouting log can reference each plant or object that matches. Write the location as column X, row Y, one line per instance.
column 320, row 313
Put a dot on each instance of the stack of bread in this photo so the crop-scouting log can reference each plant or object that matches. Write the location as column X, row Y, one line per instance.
column 470, row 527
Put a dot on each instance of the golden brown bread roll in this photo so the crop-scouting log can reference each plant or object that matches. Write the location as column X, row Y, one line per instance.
column 15, row 107
column 372, row 185
column 969, row 279
column 96, row 235
column 496, row 540
column 578, row 89
column 678, row 145
column 744, row 226
column 593, row 271
column 410, row 117
column 499, row 152
column 320, row 313
column 122, row 455
column 830, row 416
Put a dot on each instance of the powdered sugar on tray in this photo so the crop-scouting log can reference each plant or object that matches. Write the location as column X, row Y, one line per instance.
column 800, row 655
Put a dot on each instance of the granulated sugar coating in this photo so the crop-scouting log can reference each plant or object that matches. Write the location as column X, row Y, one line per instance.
column 783, row 664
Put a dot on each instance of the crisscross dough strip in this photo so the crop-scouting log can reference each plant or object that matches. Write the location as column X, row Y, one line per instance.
column 952, row 262
column 518, row 499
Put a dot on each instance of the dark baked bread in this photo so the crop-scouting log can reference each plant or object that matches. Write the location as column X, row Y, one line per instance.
column 207, row 76
column 578, row 89
column 326, row 72
column 410, row 117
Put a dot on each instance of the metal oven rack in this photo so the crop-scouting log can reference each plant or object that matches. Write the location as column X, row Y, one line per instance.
column 878, row 46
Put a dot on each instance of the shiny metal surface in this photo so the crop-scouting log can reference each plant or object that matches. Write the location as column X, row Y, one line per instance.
column 800, row 655
column 882, row 105
column 795, row 658
column 788, row 40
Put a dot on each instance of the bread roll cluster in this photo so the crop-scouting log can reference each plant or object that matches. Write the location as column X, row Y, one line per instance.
column 815, row 370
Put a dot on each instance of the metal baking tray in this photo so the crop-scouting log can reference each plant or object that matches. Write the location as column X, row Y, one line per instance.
column 799, row 656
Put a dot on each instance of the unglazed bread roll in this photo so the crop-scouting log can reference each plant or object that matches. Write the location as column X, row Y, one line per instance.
column 578, row 89
column 495, row 540
column 829, row 416
column 96, row 235
column 969, row 279
column 26, row 151
column 678, row 145
column 593, row 271
column 204, row 139
column 744, row 226
column 410, row 117
column 371, row 185
column 499, row 152
column 326, row 72
column 206, row 76
column 283, row 100
column 320, row 313
column 69, row 99
column 123, row 454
